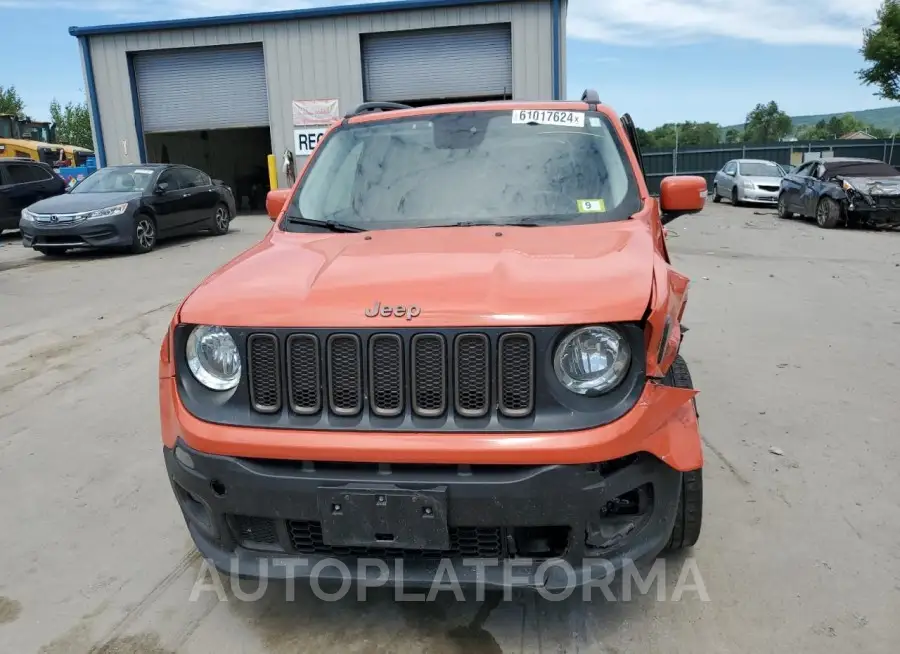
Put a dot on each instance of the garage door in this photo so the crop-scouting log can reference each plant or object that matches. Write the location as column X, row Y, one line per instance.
column 438, row 63
column 202, row 88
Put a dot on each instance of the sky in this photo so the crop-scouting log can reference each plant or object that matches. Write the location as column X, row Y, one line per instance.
column 660, row 60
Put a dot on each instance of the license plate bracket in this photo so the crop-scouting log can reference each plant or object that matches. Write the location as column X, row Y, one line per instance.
column 352, row 516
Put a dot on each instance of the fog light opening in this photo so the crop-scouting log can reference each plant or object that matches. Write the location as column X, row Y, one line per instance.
column 218, row 488
column 540, row 542
column 620, row 518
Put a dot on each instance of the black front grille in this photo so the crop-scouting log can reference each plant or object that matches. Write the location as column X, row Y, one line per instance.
column 386, row 374
column 424, row 374
column 264, row 373
column 428, row 372
column 465, row 542
column 771, row 189
column 344, row 367
column 516, row 375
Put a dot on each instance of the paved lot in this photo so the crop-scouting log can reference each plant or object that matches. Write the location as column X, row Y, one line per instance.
column 794, row 343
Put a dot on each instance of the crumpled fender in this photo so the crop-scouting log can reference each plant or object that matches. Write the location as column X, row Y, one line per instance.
column 668, row 300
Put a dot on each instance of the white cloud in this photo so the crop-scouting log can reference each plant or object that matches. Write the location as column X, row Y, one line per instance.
column 665, row 22
column 645, row 23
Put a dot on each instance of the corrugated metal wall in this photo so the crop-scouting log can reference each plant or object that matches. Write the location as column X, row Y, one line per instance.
column 312, row 59
column 706, row 161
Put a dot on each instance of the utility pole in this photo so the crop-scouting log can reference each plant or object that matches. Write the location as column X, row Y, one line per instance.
column 675, row 153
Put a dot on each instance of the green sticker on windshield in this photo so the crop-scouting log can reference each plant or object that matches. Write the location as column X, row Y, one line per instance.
column 591, row 206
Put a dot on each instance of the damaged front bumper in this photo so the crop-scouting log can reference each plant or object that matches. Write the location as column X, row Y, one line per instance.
column 549, row 526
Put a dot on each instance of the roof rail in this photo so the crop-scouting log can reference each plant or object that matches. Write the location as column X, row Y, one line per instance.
column 377, row 106
column 590, row 96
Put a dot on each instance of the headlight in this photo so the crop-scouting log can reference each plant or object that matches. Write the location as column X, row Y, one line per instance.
column 213, row 357
column 847, row 186
column 592, row 360
column 108, row 212
column 748, row 184
column 27, row 216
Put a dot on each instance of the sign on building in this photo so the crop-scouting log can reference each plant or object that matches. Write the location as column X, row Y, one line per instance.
column 315, row 112
column 306, row 139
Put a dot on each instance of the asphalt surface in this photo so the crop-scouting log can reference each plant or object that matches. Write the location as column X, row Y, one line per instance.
column 793, row 343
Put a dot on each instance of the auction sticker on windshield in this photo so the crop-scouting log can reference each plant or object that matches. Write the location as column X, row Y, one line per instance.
column 591, row 206
column 547, row 117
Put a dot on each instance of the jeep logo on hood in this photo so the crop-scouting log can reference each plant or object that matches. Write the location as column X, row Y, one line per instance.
column 398, row 311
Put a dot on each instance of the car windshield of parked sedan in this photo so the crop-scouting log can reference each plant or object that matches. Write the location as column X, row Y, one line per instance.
column 116, row 180
column 470, row 167
column 761, row 169
column 860, row 169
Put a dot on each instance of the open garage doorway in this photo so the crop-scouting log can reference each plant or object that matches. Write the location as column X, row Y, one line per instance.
column 238, row 157
column 207, row 107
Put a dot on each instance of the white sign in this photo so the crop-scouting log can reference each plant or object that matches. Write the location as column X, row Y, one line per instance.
column 306, row 139
column 548, row 117
column 315, row 112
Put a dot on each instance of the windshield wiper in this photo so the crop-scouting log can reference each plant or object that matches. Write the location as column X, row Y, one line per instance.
column 330, row 225
column 474, row 223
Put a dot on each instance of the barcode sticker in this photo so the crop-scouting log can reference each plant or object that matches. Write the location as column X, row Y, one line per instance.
column 546, row 117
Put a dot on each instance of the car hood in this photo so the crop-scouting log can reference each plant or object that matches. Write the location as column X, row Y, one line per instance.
column 765, row 181
column 76, row 202
column 875, row 185
column 463, row 276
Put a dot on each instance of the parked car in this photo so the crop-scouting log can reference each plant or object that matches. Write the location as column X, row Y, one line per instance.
column 843, row 191
column 748, row 180
column 22, row 183
column 427, row 307
column 128, row 207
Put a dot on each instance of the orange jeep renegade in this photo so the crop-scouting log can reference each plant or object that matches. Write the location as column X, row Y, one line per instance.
column 457, row 348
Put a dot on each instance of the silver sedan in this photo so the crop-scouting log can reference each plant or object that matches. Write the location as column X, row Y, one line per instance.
column 748, row 180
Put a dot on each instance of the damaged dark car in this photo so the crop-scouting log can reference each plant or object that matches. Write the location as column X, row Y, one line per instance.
column 843, row 192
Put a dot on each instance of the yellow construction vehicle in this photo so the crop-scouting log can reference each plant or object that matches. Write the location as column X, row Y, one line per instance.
column 46, row 132
column 14, row 144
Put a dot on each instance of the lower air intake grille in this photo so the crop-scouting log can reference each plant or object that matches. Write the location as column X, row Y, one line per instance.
column 465, row 542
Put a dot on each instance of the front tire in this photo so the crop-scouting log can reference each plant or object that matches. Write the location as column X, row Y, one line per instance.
column 828, row 213
column 716, row 197
column 689, row 517
column 734, row 197
column 783, row 212
column 221, row 220
column 144, row 234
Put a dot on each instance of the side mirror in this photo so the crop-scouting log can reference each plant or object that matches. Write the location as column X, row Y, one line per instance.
column 161, row 188
column 275, row 201
column 680, row 195
column 731, row 173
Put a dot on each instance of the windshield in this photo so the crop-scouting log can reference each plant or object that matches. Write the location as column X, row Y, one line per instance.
column 861, row 169
column 760, row 169
column 116, row 180
column 469, row 167
column 36, row 133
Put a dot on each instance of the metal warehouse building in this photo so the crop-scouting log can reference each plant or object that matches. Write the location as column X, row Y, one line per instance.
column 223, row 93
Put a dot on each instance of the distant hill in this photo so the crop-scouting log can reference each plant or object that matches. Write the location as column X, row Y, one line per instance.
column 888, row 118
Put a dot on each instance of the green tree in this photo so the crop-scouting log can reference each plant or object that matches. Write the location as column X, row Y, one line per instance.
column 836, row 127
column 733, row 136
column 767, row 123
column 881, row 49
column 11, row 102
column 73, row 124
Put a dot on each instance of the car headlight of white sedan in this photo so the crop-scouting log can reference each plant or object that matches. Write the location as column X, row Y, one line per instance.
column 592, row 360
